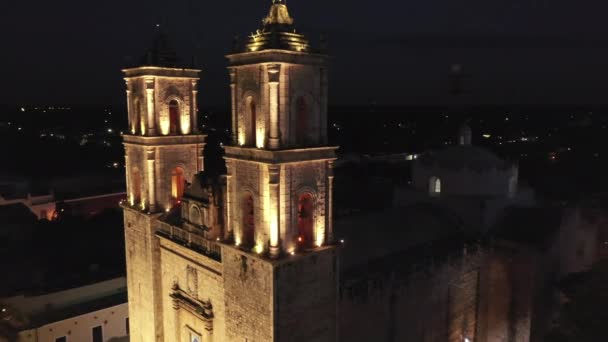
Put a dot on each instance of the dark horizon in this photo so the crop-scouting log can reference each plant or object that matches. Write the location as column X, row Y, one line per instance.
column 509, row 52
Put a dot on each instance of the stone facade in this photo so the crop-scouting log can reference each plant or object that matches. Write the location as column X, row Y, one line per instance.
column 250, row 257
column 161, row 153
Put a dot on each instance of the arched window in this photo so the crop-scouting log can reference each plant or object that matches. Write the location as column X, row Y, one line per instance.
column 195, row 216
column 174, row 116
column 253, row 117
column 135, row 186
column 302, row 118
column 435, row 186
column 248, row 216
column 305, row 220
column 178, row 183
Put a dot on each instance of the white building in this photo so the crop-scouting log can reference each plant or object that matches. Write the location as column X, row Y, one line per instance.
column 92, row 313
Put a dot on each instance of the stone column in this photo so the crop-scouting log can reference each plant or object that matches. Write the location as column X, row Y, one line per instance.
column 194, row 113
column 150, row 106
column 129, row 110
column 274, row 72
column 130, row 196
column 229, row 187
column 330, row 203
column 151, row 174
column 274, row 173
column 233, row 104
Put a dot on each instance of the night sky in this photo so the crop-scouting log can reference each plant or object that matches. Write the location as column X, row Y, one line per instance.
column 388, row 52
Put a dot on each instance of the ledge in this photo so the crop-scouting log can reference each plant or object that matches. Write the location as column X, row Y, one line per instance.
column 283, row 258
column 164, row 140
column 162, row 72
column 276, row 56
column 280, row 156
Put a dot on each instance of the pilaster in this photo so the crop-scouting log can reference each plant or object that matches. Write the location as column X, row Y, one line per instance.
column 274, row 73
column 150, row 106
column 274, row 180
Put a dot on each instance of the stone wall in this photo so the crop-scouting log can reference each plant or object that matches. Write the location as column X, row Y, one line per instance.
column 485, row 295
column 143, row 278
column 305, row 297
column 248, row 289
column 202, row 280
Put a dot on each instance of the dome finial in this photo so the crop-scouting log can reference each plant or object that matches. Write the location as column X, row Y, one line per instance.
column 278, row 15
column 465, row 135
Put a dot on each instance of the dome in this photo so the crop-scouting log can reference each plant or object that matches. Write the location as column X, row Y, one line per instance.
column 464, row 156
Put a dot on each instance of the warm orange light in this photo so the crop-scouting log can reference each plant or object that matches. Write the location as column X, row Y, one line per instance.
column 300, row 239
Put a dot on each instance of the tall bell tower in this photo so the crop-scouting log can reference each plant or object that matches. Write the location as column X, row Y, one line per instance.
column 163, row 152
column 282, row 266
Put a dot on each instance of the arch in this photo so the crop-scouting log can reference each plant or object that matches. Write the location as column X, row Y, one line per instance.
column 302, row 121
column 248, row 220
column 174, row 116
column 196, row 216
column 305, row 220
column 178, row 183
column 435, row 186
column 135, row 186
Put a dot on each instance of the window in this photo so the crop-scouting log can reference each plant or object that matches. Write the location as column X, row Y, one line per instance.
column 174, row 116
column 127, row 328
column 177, row 184
column 305, row 221
column 435, row 186
column 97, row 334
column 248, row 216
column 61, row 339
column 301, row 121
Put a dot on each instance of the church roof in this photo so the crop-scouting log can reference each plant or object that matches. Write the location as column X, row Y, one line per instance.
column 278, row 32
column 464, row 156
column 372, row 236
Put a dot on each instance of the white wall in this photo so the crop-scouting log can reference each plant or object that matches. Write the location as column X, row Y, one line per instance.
column 79, row 329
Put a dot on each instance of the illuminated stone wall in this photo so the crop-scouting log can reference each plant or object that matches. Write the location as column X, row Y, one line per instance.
column 201, row 278
column 143, row 280
column 297, row 179
column 249, row 289
column 299, row 76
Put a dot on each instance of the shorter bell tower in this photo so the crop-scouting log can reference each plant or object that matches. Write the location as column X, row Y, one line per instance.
column 163, row 152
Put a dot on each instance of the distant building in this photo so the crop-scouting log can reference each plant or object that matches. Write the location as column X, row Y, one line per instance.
column 96, row 312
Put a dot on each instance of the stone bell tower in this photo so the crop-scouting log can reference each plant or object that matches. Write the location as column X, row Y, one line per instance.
column 281, row 272
column 163, row 152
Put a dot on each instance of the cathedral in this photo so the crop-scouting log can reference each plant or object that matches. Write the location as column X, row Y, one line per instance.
column 249, row 256
column 254, row 255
